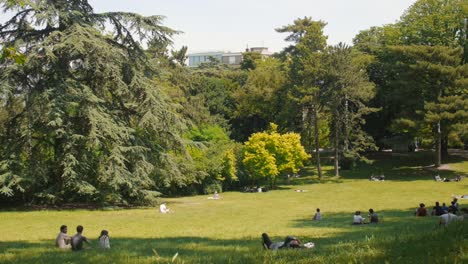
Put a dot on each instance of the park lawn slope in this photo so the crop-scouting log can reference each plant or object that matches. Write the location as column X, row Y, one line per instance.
column 228, row 230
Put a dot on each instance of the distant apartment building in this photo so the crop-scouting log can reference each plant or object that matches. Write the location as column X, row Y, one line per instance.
column 229, row 58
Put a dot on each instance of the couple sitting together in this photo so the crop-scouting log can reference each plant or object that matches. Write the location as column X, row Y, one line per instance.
column 359, row 220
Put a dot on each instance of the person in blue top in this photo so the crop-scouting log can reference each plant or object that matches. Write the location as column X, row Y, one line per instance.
column 437, row 210
column 444, row 208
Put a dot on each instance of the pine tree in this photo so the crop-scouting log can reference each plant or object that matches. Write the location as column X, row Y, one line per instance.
column 306, row 76
column 83, row 118
column 347, row 89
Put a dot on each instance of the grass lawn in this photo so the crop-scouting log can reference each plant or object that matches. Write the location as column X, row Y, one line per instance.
column 228, row 230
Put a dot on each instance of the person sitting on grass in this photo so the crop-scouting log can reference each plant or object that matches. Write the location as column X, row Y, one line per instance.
column 78, row 239
column 454, row 207
column 289, row 242
column 104, row 239
column 215, row 196
column 358, row 219
column 455, row 202
column 373, row 217
column 421, row 211
column 63, row 240
column 444, row 208
column 163, row 209
column 437, row 210
column 318, row 215
column 448, row 218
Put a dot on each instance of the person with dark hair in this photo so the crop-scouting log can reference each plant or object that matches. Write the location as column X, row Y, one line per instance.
column 63, row 240
column 421, row 211
column 444, row 208
column 437, row 210
column 318, row 215
column 454, row 207
column 373, row 217
column 104, row 239
column 358, row 219
column 78, row 239
column 289, row 242
column 268, row 244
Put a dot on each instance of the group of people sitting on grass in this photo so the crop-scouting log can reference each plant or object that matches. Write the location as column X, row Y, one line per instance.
column 75, row 242
column 293, row 242
column 373, row 218
column 446, row 214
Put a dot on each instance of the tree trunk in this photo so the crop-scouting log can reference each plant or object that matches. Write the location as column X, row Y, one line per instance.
column 438, row 146
column 444, row 147
column 346, row 126
column 317, row 143
column 336, row 143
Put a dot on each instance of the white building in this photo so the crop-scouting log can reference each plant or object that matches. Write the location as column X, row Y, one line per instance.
column 229, row 58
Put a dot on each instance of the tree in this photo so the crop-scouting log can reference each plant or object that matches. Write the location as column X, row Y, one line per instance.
column 249, row 60
column 267, row 154
column 180, row 56
column 306, row 74
column 257, row 102
column 449, row 113
column 83, row 118
column 434, row 23
column 416, row 76
column 346, row 91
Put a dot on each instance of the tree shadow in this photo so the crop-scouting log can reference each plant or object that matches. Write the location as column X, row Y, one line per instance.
column 401, row 238
column 403, row 167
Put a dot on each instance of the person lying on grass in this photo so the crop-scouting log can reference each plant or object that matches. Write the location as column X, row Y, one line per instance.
column 289, row 242
column 78, row 239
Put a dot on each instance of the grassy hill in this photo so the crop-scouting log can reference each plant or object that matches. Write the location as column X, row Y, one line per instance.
column 228, row 230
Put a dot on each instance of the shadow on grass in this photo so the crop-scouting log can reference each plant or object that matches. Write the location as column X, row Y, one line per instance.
column 395, row 167
column 400, row 239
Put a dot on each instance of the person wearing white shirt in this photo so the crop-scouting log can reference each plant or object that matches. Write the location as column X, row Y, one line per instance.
column 318, row 215
column 104, row 239
column 358, row 219
column 63, row 240
column 448, row 217
column 163, row 209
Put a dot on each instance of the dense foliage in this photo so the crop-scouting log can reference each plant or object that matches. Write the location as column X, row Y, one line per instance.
column 97, row 108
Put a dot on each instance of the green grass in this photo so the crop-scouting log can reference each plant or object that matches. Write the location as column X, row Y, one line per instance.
column 228, row 230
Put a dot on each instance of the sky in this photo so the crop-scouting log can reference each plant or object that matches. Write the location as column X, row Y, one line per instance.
column 226, row 25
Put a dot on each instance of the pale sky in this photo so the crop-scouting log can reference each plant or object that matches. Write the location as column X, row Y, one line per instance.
column 226, row 25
